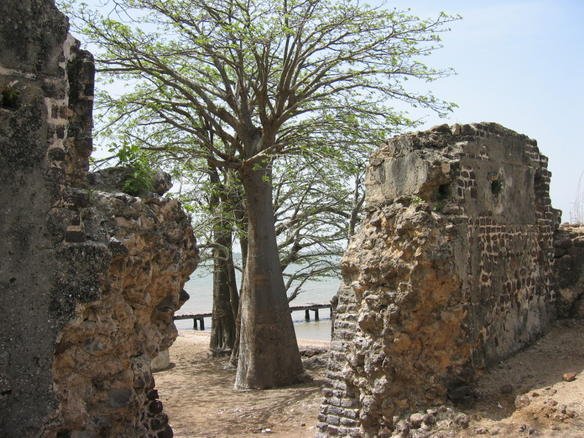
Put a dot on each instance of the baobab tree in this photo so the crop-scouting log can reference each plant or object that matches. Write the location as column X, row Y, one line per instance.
column 269, row 78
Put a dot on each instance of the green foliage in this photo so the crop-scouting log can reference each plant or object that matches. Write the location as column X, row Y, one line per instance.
column 141, row 179
column 416, row 200
column 318, row 77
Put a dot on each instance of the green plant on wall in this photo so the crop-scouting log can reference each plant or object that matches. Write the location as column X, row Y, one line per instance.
column 416, row 200
column 141, row 178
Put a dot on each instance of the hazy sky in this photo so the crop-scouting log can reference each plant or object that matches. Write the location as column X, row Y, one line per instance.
column 521, row 64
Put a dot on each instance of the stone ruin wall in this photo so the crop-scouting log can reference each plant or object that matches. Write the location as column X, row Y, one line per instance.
column 89, row 276
column 450, row 272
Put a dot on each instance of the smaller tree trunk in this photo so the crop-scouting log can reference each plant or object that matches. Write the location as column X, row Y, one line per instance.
column 232, row 281
column 223, row 332
column 358, row 200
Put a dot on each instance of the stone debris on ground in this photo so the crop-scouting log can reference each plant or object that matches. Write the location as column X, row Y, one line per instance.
column 569, row 377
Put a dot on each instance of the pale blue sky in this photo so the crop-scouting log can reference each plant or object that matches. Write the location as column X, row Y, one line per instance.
column 521, row 64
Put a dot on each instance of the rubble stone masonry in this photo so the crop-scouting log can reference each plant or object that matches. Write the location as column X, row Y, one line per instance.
column 569, row 270
column 89, row 276
column 450, row 272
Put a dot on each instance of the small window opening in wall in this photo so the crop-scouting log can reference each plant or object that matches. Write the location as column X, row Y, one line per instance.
column 9, row 97
column 496, row 187
column 537, row 180
column 443, row 192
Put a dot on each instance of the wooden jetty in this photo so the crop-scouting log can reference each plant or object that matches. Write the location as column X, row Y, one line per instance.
column 308, row 308
column 199, row 318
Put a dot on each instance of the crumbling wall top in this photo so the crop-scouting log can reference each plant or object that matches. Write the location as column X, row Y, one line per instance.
column 498, row 166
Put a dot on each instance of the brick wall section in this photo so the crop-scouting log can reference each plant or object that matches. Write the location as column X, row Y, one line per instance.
column 450, row 272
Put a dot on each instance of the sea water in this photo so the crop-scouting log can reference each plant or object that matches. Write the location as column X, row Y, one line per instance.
column 200, row 289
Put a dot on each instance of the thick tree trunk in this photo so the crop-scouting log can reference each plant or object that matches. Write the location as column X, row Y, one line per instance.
column 223, row 319
column 241, row 219
column 268, row 351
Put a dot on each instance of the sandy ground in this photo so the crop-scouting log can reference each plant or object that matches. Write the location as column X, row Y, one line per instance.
column 527, row 396
column 523, row 396
column 198, row 396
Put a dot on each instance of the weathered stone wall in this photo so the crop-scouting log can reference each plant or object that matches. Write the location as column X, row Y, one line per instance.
column 88, row 279
column 569, row 270
column 34, row 48
column 450, row 272
column 130, row 261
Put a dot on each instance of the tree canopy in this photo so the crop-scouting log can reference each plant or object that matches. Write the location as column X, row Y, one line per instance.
column 307, row 74
column 242, row 84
